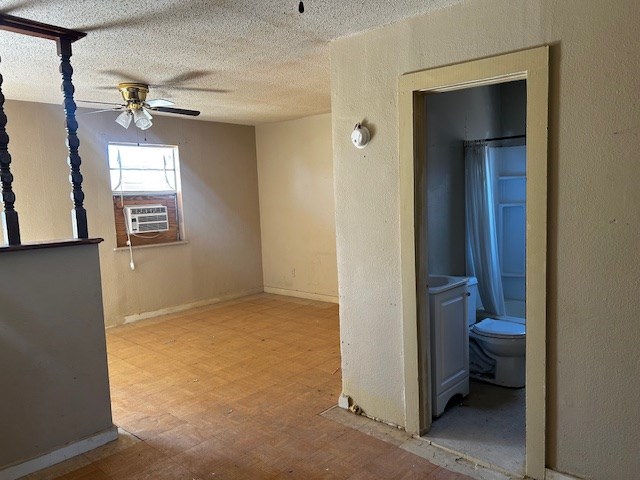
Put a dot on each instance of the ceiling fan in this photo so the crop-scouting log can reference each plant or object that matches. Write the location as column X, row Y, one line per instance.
column 137, row 108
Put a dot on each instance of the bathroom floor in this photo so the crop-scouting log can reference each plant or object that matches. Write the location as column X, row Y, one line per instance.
column 488, row 426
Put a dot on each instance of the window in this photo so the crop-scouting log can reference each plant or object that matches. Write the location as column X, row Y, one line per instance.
column 145, row 179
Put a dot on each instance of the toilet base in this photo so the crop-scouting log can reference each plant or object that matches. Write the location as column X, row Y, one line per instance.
column 509, row 372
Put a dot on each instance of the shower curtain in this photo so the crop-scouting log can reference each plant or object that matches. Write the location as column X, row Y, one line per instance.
column 482, row 259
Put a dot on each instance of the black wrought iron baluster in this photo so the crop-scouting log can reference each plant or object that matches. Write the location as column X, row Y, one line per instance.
column 78, row 214
column 10, row 223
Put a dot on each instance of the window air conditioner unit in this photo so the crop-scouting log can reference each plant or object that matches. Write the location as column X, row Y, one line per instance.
column 146, row 218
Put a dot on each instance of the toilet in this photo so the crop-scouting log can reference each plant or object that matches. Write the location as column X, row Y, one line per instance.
column 496, row 345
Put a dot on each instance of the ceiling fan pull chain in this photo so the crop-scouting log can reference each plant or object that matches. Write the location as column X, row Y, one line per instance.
column 301, row 7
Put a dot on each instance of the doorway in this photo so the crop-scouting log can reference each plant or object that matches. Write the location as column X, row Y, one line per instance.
column 475, row 223
column 532, row 67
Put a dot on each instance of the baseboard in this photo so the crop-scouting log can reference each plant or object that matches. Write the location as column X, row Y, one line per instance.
column 187, row 306
column 553, row 475
column 300, row 294
column 59, row 455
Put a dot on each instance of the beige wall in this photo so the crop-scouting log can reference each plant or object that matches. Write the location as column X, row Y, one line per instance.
column 295, row 175
column 220, row 196
column 594, row 224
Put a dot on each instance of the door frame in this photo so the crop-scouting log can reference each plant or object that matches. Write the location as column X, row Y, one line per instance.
column 531, row 65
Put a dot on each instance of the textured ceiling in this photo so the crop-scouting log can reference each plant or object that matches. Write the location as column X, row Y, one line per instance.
column 238, row 61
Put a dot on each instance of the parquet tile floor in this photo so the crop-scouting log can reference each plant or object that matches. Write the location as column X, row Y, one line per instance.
column 234, row 391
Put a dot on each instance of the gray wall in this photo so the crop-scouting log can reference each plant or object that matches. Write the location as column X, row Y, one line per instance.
column 53, row 379
column 513, row 108
column 453, row 117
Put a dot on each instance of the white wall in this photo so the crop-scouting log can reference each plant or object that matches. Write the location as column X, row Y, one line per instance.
column 295, row 177
column 594, row 222
column 511, row 197
column 220, row 195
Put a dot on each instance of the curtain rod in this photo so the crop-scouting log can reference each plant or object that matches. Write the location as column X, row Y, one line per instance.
column 495, row 139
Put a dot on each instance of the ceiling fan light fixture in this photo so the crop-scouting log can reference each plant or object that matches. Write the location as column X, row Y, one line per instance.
column 136, row 108
column 124, row 119
column 142, row 119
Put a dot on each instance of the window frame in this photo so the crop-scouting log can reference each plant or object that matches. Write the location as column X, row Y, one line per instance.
column 178, row 222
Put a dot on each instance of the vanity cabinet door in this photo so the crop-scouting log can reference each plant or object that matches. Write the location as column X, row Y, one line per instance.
column 449, row 344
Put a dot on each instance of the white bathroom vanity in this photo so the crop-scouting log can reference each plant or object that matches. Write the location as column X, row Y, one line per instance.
column 448, row 306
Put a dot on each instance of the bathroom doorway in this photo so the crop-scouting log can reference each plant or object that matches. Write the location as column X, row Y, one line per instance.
column 526, row 72
column 473, row 215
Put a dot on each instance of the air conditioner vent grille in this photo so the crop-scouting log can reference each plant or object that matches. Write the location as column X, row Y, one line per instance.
column 153, row 227
column 146, row 218
column 152, row 218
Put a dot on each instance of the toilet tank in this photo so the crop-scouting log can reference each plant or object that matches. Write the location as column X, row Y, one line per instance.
column 472, row 284
column 473, row 305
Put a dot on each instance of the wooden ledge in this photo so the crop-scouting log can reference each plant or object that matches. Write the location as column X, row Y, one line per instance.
column 25, row 26
column 50, row 244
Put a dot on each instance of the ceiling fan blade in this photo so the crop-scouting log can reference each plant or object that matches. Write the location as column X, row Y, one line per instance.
column 130, row 22
column 19, row 5
column 100, row 103
column 100, row 111
column 156, row 14
column 198, row 89
column 159, row 102
column 178, row 111
column 184, row 77
column 123, row 77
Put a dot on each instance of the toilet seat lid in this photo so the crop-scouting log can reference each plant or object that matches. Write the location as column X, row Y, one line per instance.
column 499, row 328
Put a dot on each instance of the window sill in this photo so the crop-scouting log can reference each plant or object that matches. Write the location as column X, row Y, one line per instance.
column 139, row 247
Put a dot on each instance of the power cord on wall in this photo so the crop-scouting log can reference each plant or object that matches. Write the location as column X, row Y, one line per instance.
column 132, row 264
